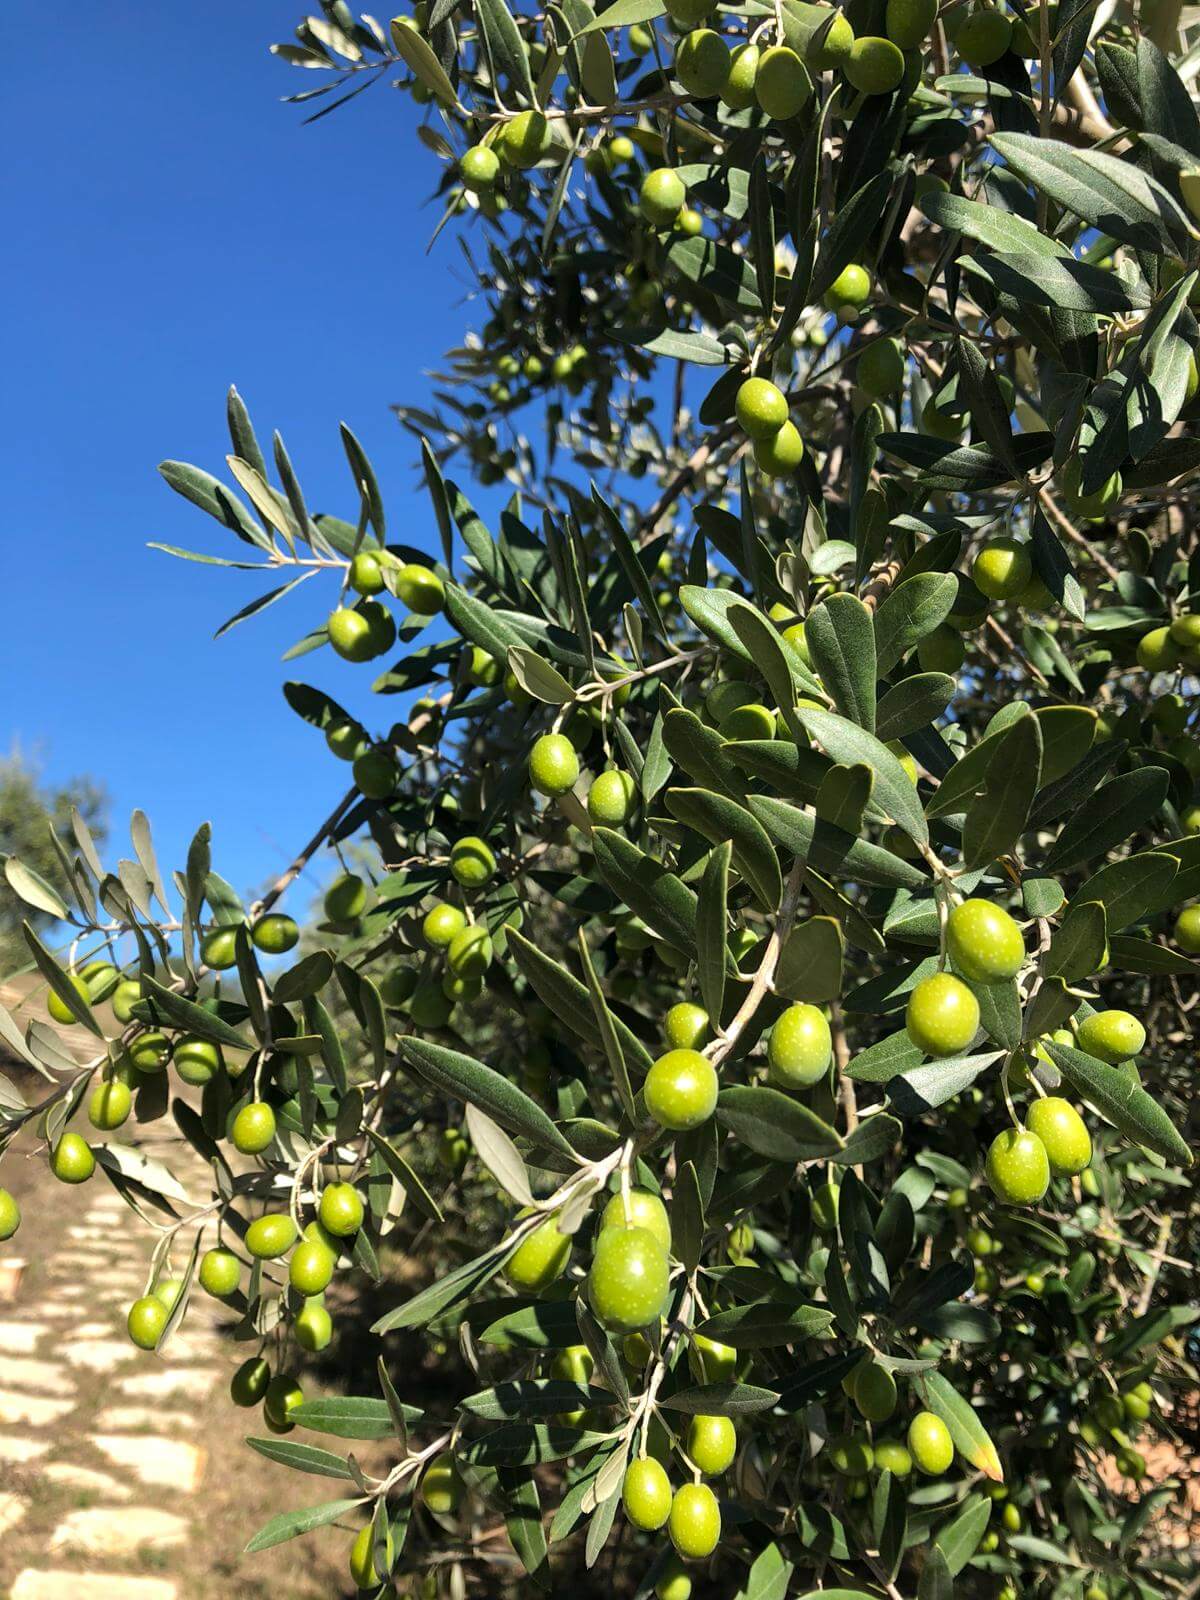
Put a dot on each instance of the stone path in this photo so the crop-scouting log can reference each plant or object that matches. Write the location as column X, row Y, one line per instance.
column 82, row 1410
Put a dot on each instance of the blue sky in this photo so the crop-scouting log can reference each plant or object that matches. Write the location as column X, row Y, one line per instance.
column 174, row 229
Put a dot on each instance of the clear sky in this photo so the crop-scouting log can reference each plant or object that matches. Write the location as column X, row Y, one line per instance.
column 173, row 228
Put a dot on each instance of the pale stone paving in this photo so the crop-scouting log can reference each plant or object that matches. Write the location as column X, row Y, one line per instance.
column 46, row 1431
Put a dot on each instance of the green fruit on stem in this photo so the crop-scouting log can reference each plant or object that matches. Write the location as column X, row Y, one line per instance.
column 280, row 1399
column 341, row 1210
column 850, row 291
column 149, row 1052
column 909, row 21
column 1018, row 1168
column 470, row 953
column 761, row 408
column 800, row 1047
column 271, row 1236
column 375, row 774
column 1112, row 1036
column 526, row 139
column 680, row 1090
column 695, row 1521
column 782, row 86
column 828, row 46
column 345, row 738
column 984, row 942
column 686, row 1026
column 1099, row 501
column 253, row 1128
column 930, row 1444
column 610, row 799
column 702, row 63
column 553, row 765
column 346, row 898
column 639, row 1209
column 310, row 1270
column 983, row 37
column 711, row 1444
column 737, row 91
column 197, row 1061
column 881, row 368
column 472, row 863
column 539, row 1259
column 363, row 1569
column 717, row 1362
column 220, row 1272
column 874, row 66
column 662, row 196
column 58, row 1008
column 874, row 1392
column 825, row 1200
column 780, row 454
column 894, row 1457
column 1002, row 568
column 275, row 934
column 146, row 1320
column 673, row 1581
column 629, row 1279
column 313, row 1327
column 1187, row 930
column 942, row 1017
column 442, row 925
column 1064, row 1134
column 479, row 168
column 218, row 950
column 366, row 573
column 646, row 1494
column 129, row 991
column 248, row 1386
column 850, row 1455
column 71, row 1160
column 10, row 1215
column 441, row 1486
column 109, row 1105
column 1157, row 651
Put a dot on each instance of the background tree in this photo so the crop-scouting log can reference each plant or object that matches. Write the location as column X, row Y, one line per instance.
column 781, row 928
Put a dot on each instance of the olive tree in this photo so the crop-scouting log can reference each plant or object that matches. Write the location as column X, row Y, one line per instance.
column 781, row 849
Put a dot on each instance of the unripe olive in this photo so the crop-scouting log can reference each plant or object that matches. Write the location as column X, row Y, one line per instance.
column 1112, row 1036
column 253, row 1128
column 610, row 799
column 782, row 86
column 781, row 453
column 930, row 1444
column 441, row 1486
column 470, row 953
column 109, row 1105
column 702, row 63
column 526, row 139
column 984, row 942
column 1018, row 1168
column 146, row 1320
column 874, row 66
column 472, row 862
column 892, row 1456
column 686, row 1026
column 850, row 290
column 850, row 1455
column 553, row 765
column 1002, row 568
column 942, row 651
column 479, row 168
column 874, row 1391
column 695, row 1521
column 281, row 1397
column 197, row 1061
column 680, row 1090
column 629, row 1279
column 639, row 1209
column 1099, row 500
column 10, row 1215
column 249, row 1383
column 646, row 1494
column 540, row 1258
column 761, row 408
column 662, row 196
column 220, row 1272
column 129, row 991
column 72, row 1160
column 341, row 1210
column 313, row 1327
column 442, row 924
column 1157, row 651
column 363, row 1569
column 909, row 21
column 346, row 898
column 711, row 1444
column 1187, row 930
column 942, row 1017
column 738, row 89
column 983, row 37
column 271, row 1236
column 881, row 368
column 831, row 50
column 345, row 738
column 218, row 949
column 800, row 1047
column 1064, row 1134
column 149, row 1052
